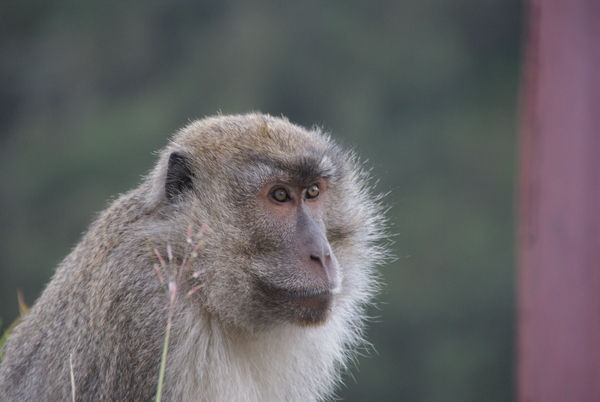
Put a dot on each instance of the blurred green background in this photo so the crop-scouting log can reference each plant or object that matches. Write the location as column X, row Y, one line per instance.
column 424, row 90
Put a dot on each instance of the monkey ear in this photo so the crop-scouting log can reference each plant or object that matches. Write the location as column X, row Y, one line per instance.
column 179, row 176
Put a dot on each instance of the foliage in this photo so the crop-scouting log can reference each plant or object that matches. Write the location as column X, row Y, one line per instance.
column 23, row 310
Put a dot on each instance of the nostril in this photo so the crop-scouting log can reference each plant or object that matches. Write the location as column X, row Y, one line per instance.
column 319, row 258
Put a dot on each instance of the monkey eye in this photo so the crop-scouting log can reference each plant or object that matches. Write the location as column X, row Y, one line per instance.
column 280, row 195
column 313, row 191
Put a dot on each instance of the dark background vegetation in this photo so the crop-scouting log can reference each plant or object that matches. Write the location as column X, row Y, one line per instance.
column 425, row 90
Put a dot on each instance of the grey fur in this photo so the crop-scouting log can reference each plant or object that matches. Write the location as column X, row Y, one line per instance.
column 105, row 309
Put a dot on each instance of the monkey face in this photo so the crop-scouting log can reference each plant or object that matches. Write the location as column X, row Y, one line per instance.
column 302, row 283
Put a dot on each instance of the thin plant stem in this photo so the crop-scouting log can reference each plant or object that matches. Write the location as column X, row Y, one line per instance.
column 163, row 363
column 176, row 274
column 72, row 377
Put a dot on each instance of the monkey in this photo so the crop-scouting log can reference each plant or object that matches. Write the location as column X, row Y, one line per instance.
column 264, row 301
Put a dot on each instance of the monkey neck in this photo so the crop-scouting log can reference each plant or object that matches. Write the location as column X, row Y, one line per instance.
column 288, row 363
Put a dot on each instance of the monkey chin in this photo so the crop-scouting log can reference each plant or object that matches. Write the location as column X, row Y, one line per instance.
column 310, row 309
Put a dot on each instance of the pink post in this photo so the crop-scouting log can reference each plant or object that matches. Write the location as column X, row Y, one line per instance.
column 559, row 205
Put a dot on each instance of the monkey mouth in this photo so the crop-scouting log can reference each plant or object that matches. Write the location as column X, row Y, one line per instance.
column 305, row 297
column 305, row 294
column 301, row 306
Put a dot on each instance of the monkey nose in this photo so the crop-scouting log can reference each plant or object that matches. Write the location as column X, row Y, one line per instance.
column 327, row 268
column 322, row 255
column 324, row 259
